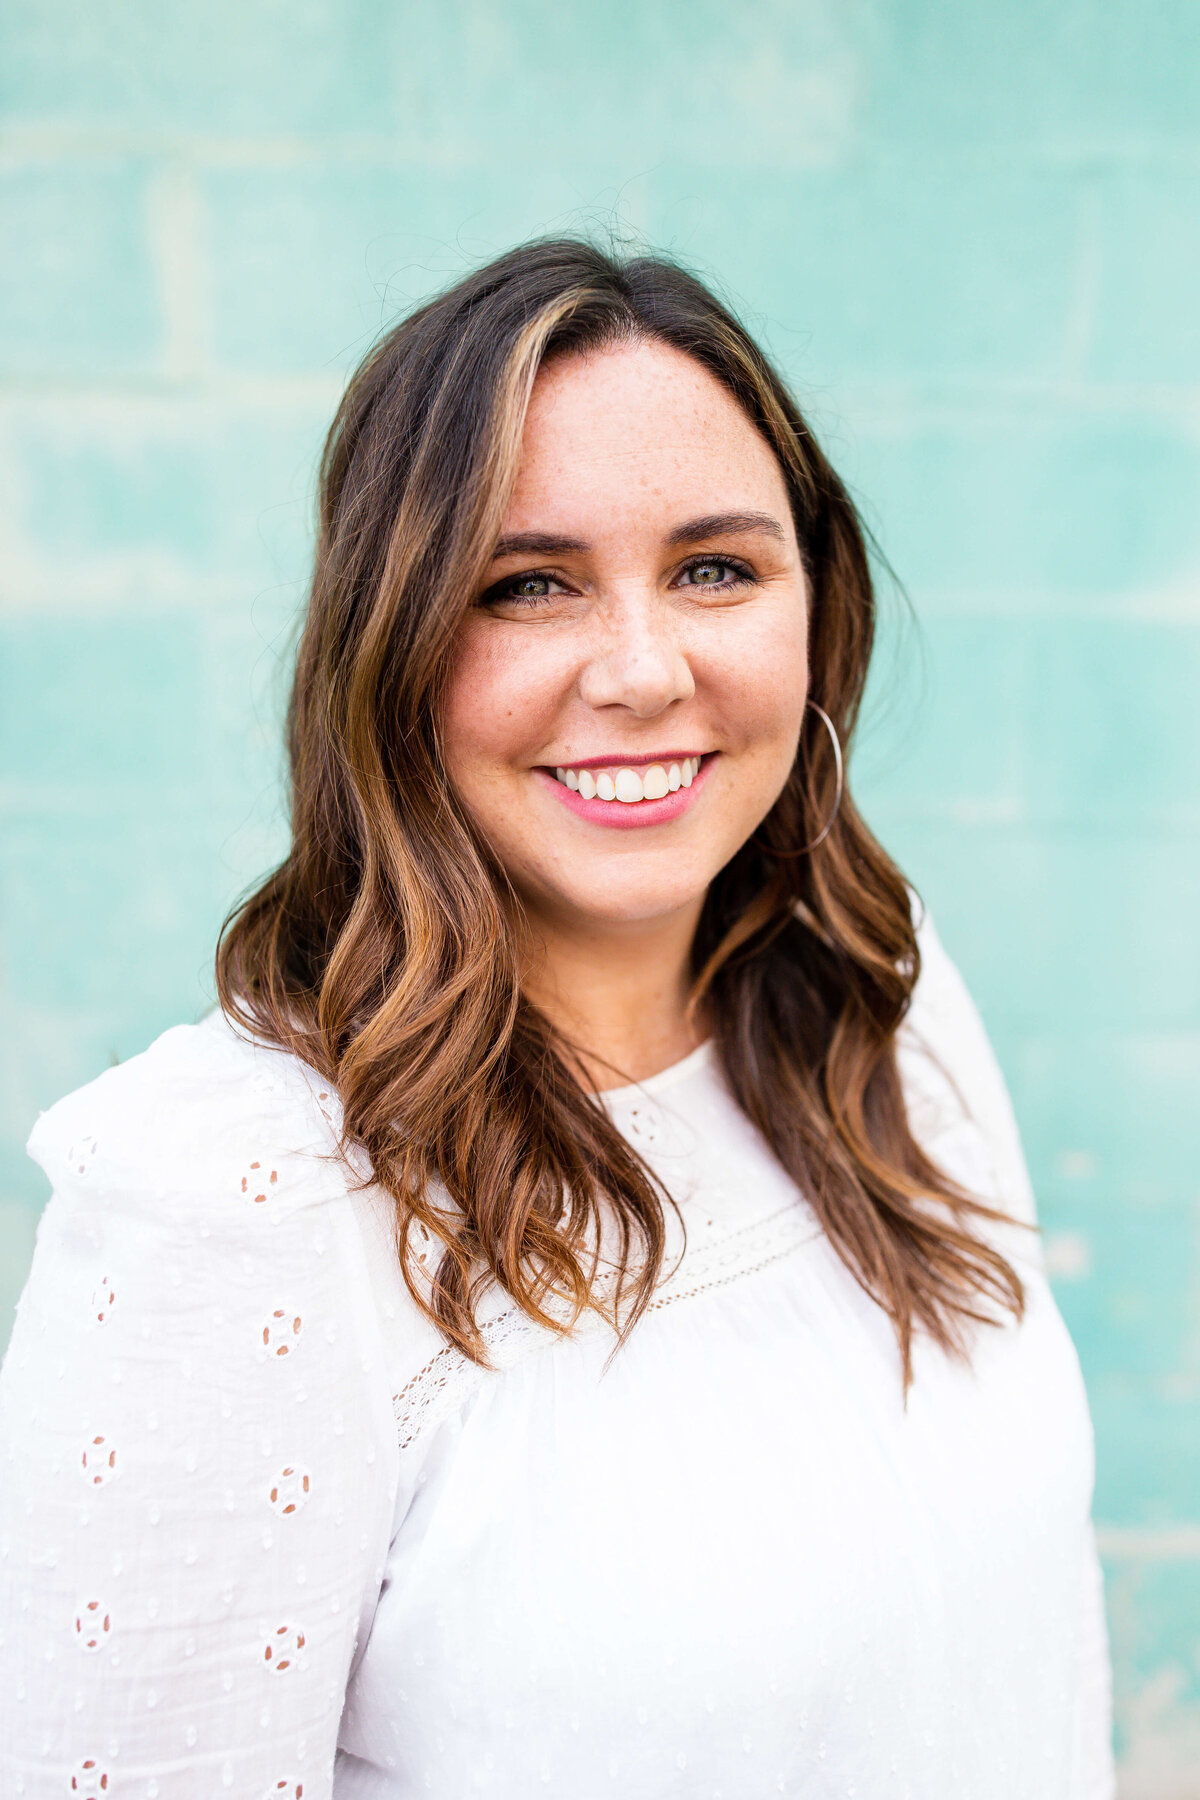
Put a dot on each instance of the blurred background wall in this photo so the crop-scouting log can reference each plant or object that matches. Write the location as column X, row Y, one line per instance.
column 971, row 235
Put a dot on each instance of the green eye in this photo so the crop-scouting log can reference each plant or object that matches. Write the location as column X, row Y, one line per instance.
column 715, row 572
column 522, row 590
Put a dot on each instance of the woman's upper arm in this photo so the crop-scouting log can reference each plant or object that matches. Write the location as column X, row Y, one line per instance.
column 197, row 1490
column 1094, row 1761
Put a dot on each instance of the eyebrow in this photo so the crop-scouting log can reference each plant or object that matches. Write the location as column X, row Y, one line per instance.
column 730, row 524
column 694, row 531
column 538, row 543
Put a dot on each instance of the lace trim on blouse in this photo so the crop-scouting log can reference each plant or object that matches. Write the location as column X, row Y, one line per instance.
column 450, row 1378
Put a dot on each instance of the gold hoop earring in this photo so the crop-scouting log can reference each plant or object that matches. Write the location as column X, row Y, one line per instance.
column 841, row 782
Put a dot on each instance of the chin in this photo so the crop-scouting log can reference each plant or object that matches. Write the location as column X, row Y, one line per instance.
column 631, row 903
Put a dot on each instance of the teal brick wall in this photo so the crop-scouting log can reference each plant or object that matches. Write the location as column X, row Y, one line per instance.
column 971, row 234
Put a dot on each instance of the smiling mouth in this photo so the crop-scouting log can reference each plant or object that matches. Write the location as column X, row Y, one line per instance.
column 623, row 784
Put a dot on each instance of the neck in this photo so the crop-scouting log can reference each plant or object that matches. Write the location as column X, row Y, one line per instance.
column 617, row 993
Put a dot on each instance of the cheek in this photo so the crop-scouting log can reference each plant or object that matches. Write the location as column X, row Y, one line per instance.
column 759, row 678
column 499, row 695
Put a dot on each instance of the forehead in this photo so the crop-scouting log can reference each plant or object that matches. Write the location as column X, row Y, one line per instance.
column 642, row 426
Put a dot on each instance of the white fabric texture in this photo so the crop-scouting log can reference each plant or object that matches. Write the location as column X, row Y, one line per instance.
column 263, row 1534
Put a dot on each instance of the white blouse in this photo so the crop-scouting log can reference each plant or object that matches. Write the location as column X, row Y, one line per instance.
column 264, row 1534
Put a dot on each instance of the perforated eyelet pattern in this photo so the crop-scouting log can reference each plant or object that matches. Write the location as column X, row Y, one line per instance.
column 98, row 1461
column 90, row 1780
column 284, row 1648
column 92, row 1625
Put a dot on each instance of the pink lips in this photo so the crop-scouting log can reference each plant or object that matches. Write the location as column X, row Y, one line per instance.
column 627, row 818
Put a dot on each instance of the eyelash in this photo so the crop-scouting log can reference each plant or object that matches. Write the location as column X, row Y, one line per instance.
column 743, row 575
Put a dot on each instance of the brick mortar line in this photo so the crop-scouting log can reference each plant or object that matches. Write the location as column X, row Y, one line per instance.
column 1084, row 159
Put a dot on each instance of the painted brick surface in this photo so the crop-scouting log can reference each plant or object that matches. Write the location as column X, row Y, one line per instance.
column 87, row 303
column 971, row 234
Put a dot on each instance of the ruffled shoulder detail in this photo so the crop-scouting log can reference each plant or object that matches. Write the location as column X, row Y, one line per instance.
column 204, row 1113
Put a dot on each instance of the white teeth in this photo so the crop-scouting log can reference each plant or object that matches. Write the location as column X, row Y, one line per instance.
column 631, row 785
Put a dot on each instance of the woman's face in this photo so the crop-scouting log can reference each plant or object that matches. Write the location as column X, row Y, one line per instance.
column 627, row 694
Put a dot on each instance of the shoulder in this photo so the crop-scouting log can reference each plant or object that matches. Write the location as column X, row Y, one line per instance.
column 942, row 1010
column 203, row 1110
column 942, row 1035
column 209, row 1169
column 958, row 1102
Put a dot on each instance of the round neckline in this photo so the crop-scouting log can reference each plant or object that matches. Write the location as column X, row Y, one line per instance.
column 696, row 1059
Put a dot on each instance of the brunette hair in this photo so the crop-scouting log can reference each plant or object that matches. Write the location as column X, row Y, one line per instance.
column 382, row 951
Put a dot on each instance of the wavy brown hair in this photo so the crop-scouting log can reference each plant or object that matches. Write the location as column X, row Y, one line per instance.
column 383, row 951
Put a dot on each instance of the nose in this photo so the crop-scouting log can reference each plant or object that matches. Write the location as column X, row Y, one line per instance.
column 637, row 660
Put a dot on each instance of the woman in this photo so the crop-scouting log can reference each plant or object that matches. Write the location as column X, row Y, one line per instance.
column 570, row 1321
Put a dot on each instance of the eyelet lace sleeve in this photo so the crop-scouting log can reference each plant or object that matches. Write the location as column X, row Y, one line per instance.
column 197, row 1473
